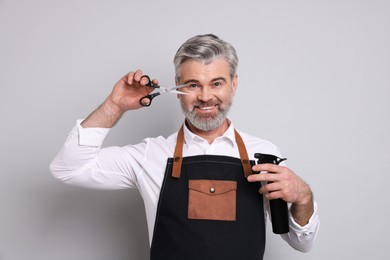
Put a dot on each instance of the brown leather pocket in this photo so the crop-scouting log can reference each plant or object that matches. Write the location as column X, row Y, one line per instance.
column 212, row 200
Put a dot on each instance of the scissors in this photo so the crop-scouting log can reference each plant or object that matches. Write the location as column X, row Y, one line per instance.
column 144, row 100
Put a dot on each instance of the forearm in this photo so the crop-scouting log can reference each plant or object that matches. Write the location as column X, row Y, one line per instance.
column 302, row 211
column 81, row 161
column 105, row 116
column 303, row 237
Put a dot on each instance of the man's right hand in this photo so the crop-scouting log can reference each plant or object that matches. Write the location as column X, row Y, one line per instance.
column 129, row 90
column 125, row 96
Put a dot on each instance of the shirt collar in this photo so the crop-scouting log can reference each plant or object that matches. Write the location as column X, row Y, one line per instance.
column 190, row 137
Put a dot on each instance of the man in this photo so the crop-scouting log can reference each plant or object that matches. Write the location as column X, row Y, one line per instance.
column 201, row 202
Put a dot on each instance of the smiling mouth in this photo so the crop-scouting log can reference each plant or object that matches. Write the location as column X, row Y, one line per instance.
column 206, row 108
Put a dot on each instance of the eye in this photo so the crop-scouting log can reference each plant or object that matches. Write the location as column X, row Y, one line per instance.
column 192, row 86
column 217, row 84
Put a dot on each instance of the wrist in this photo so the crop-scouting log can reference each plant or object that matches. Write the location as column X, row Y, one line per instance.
column 303, row 208
column 105, row 116
column 305, row 198
column 111, row 109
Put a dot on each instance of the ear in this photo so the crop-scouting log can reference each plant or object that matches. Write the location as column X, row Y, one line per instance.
column 234, row 84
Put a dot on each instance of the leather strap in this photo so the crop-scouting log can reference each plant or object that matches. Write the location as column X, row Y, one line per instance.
column 243, row 155
column 178, row 154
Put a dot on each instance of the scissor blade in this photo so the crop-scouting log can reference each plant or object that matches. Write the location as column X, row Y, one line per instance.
column 178, row 92
column 174, row 90
column 176, row 87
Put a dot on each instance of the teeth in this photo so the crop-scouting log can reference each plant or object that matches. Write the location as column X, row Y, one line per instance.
column 206, row 108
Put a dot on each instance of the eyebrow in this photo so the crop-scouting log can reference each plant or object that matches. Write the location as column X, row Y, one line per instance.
column 197, row 81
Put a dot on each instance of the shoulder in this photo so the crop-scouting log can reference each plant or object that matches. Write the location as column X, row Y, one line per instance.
column 255, row 144
column 161, row 144
column 254, row 140
column 157, row 144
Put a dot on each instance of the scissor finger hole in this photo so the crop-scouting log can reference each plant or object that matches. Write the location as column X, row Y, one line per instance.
column 145, row 80
column 145, row 101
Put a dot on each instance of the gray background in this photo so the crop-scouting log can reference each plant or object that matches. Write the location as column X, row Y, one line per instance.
column 313, row 78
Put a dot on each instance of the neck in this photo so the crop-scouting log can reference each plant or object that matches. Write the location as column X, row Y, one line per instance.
column 212, row 134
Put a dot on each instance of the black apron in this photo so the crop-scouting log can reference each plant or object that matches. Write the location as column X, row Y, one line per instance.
column 208, row 210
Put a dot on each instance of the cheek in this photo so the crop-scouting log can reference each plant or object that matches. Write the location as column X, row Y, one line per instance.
column 187, row 99
column 184, row 102
column 226, row 97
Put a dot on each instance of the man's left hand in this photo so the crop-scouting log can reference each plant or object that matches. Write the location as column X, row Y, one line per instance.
column 283, row 183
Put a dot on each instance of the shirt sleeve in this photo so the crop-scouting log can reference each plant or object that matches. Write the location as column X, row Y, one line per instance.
column 302, row 238
column 82, row 162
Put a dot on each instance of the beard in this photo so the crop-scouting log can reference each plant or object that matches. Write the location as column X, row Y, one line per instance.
column 206, row 122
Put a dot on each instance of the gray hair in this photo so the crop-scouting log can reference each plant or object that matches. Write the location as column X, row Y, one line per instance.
column 206, row 48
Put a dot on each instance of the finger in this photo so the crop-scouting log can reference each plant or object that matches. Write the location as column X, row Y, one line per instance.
column 270, row 187
column 268, row 167
column 155, row 81
column 270, row 195
column 144, row 80
column 266, row 177
column 138, row 75
column 273, row 195
column 145, row 101
column 127, row 78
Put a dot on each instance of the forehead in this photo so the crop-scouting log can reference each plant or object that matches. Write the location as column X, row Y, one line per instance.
column 202, row 71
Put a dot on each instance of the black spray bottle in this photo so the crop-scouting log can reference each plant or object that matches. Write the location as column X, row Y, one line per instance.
column 279, row 210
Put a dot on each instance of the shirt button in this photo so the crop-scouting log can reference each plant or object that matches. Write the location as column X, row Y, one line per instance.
column 212, row 190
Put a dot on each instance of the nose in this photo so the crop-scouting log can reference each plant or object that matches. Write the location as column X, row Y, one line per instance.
column 205, row 94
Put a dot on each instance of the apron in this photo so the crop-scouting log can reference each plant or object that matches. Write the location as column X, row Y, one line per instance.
column 207, row 209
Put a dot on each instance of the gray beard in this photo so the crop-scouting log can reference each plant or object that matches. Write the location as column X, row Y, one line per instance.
column 206, row 123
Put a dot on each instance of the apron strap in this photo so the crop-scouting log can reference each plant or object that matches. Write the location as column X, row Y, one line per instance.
column 243, row 155
column 178, row 154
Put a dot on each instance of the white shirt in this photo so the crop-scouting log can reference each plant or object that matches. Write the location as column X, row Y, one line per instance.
column 83, row 162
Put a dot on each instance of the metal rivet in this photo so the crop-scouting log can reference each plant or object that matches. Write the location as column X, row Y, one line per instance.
column 212, row 190
column 177, row 159
column 245, row 161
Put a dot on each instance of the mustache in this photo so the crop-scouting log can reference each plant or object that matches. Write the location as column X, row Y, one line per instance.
column 202, row 104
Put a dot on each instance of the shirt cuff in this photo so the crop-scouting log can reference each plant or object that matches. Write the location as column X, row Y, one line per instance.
column 91, row 136
column 306, row 231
